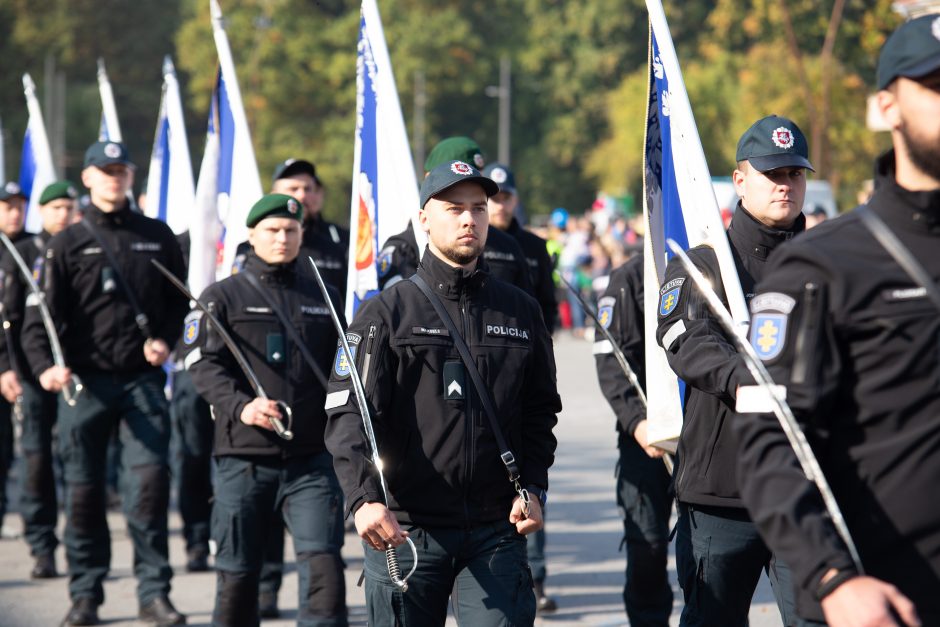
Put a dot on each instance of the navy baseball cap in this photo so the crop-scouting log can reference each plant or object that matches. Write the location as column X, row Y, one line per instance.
column 11, row 190
column 447, row 175
column 291, row 167
column 101, row 154
column 502, row 176
column 774, row 142
column 912, row 51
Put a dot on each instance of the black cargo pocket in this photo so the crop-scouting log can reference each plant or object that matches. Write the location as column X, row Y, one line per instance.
column 524, row 615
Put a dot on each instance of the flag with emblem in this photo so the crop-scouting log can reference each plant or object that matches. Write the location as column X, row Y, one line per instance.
column 678, row 203
column 110, row 128
column 36, row 168
column 170, row 189
column 384, row 187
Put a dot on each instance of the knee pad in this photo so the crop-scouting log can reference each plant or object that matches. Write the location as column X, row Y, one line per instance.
column 236, row 602
column 87, row 508
column 326, row 595
column 152, row 498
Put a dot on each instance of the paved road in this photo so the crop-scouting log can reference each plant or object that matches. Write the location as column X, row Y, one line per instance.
column 585, row 567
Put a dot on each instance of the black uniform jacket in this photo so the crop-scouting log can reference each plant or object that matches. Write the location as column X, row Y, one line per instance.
column 856, row 346
column 503, row 254
column 620, row 310
column 16, row 297
column 326, row 242
column 92, row 313
column 540, row 270
column 271, row 353
column 440, row 457
column 702, row 355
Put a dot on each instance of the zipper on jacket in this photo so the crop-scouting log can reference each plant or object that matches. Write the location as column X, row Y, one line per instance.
column 468, row 418
column 800, row 363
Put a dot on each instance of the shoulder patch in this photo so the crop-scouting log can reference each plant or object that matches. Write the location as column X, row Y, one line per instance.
column 772, row 301
column 191, row 326
column 341, row 366
column 37, row 268
column 768, row 333
column 605, row 311
column 384, row 262
column 669, row 296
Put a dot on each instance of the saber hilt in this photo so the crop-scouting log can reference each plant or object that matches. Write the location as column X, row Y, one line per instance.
column 391, row 557
column 791, row 428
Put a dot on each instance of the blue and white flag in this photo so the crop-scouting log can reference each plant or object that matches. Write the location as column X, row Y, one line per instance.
column 384, row 187
column 36, row 168
column 170, row 189
column 237, row 185
column 678, row 203
column 110, row 128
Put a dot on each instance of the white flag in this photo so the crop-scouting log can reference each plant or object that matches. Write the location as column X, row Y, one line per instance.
column 36, row 168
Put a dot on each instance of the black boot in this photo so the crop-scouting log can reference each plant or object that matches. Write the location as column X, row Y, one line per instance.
column 543, row 604
column 44, row 567
column 160, row 612
column 267, row 605
column 197, row 560
column 84, row 611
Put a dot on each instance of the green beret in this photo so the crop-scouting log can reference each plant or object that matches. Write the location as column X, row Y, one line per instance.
column 57, row 190
column 274, row 206
column 455, row 149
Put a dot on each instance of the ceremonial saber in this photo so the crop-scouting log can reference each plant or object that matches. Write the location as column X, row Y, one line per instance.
column 240, row 358
column 621, row 358
column 795, row 435
column 391, row 558
column 71, row 390
column 18, row 403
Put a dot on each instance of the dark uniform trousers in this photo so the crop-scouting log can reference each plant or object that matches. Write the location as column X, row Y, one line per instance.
column 6, row 452
column 645, row 504
column 483, row 567
column 301, row 489
column 136, row 402
column 38, row 503
column 192, row 421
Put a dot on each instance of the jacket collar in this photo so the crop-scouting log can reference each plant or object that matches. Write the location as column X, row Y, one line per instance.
column 103, row 218
column 900, row 207
column 448, row 281
column 752, row 237
column 276, row 273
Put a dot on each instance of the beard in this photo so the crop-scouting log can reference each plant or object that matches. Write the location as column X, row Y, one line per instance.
column 462, row 254
column 924, row 153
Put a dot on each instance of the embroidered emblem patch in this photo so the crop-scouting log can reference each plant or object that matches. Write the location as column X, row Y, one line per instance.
column 498, row 175
column 112, row 151
column 782, row 137
column 768, row 333
column 669, row 296
column 461, row 168
column 37, row 268
column 605, row 311
column 384, row 262
column 341, row 366
column 191, row 327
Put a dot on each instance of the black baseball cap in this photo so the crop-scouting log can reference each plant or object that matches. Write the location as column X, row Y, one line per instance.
column 774, row 142
column 502, row 176
column 11, row 190
column 912, row 51
column 291, row 167
column 101, row 154
column 447, row 175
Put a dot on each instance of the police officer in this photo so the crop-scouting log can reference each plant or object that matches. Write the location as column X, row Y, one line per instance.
column 501, row 208
column 448, row 488
column 502, row 213
column 506, row 260
column 256, row 471
column 642, row 481
column 38, row 504
column 853, row 338
column 118, row 320
column 719, row 554
column 12, row 215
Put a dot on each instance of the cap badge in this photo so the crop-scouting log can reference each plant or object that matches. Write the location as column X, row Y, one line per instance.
column 72, row 192
column 498, row 175
column 783, row 137
column 935, row 28
column 478, row 160
column 112, row 151
column 293, row 206
column 11, row 188
column 461, row 168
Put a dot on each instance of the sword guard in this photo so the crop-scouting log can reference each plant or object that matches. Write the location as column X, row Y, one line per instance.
column 278, row 425
column 71, row 391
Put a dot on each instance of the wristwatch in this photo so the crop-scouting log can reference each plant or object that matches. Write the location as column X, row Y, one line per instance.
column 538, row 492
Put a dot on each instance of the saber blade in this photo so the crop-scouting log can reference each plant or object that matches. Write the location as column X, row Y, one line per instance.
column 795, row 435
column 240, row 358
